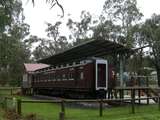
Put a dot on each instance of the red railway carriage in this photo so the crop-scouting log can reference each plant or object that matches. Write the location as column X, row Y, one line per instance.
column 88, row 78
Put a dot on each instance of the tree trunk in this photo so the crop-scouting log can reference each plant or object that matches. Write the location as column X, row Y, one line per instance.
column 158, row 76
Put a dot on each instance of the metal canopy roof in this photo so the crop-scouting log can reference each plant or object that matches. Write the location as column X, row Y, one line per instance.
column 96, row 48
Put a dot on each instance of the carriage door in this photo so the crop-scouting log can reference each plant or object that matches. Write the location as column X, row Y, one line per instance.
column 101, row 74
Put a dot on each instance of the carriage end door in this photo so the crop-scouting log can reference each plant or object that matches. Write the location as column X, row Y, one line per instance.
column 101, row 74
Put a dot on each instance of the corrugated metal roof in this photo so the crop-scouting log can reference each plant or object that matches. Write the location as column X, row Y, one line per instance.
column 96, row 48
column 29, row 67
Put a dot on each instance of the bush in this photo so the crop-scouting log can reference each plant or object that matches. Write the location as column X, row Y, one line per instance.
column 12, row 115
column 31, row 116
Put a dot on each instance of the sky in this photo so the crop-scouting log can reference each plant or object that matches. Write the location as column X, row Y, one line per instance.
column 40, row 14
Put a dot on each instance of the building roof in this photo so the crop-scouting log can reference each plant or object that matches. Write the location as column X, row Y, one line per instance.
column 29, row 67
column 96, row 48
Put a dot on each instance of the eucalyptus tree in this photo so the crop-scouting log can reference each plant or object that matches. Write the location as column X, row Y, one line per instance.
column 55, row 43
column 150, row 33
column 124, row 13
column 5, row 14
column 52, row 3
column 107, row 30
column 13, row 30
column 80, row 29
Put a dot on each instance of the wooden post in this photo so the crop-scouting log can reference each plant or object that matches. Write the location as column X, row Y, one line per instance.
column 139, row 96
column 115, row 93
column 147, row 90
column 62, row 107
column 19, row 106
column 147, row 96
column 61, row 116
column 133, row 100
column 101, row 108
column 139, row 85
column 159, row 103
column 120, row 92
column 147, row 80
column 11, row 92
column 123, row 93
column 121, row 70
column 5, row 104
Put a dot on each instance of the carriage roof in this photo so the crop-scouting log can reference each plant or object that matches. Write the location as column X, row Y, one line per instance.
column 96, row 48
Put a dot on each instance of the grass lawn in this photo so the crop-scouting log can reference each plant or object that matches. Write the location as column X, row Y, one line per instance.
column 51, row 112
column 7, row 91
column 48, row 111
column 1, row 114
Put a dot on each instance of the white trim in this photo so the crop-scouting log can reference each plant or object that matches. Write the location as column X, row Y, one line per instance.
column 106, row 63
column 59, row 68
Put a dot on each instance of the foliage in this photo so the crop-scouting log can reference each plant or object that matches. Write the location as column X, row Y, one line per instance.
column 53, row 3
column 47, row 47
column 12, row 115
column 138, row 64
column 150, row 33
column 80, row 29
column 5, row 14
column 13, row 51
column 107, row 30
column 125, row 14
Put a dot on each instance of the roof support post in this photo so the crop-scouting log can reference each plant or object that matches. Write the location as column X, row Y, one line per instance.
column 121, row 59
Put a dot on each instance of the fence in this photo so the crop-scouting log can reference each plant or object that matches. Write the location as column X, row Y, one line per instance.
column 140, row 81
column 63, row 102
column 17, row 104
column 9, row 90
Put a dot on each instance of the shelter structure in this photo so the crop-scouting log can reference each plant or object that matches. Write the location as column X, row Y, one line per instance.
column 92, row 48
column 29, row 68
column 59, row 76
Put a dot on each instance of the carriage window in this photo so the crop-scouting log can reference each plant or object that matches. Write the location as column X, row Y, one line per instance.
column 81, row 67
column 37, row 78
column 45, row 78
column 49, row 76
column 53, row 77
column 67, row 75
column 59, row 77
column 71, row 76
column 64, row 76
column 81, row 76
column 42, row 78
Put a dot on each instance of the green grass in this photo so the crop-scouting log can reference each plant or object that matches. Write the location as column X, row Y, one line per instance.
column 48, row 111
column 51, row 112
column 1, row 114
column 6, row 91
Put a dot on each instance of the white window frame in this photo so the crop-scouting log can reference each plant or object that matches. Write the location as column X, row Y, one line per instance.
column 101, row 62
